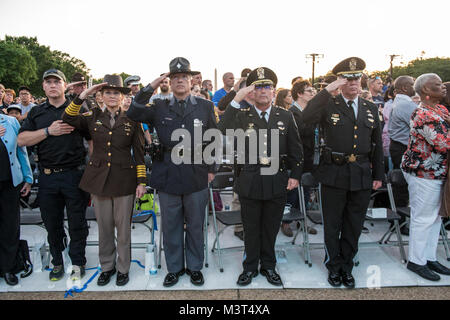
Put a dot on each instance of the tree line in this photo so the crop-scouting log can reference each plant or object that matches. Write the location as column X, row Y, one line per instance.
column 24, row 60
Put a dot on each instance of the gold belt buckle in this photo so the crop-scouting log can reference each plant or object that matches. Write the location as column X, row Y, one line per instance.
column 352, row 158
column 47, row 171
column 264, row 161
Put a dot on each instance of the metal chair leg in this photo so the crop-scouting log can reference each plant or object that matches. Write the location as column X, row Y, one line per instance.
column 445, row 241
column 400, row 241
column 205, row 233
column 215, row 229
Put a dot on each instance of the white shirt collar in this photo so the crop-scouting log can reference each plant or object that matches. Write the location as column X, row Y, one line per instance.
column 354, row 100
column 267, row 112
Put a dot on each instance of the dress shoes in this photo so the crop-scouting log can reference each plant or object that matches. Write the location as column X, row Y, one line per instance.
column 272, row 276
column 334, row 279
column 122, row 279
column 245, row 278
column 105, row 277
column 196, row 277
column 437, row 267
column 423, row 271
column 172, row 278
column 286, row 229
column 11, row 279
column 347, row 280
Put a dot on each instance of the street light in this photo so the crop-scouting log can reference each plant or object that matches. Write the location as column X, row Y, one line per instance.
column 313, row 56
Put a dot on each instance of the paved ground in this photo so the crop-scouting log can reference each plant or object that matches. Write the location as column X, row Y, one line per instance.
column 403, row 293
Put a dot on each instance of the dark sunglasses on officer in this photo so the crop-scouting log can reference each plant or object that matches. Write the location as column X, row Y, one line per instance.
column 351, row 76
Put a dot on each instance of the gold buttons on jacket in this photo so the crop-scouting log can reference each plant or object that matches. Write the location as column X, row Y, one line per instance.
column 356, row 136
column 110, row 133
column 109, row 154
column 109, row 164
column 109, row 143
column 356, row 127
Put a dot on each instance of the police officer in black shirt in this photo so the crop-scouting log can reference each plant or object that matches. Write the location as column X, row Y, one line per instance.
column 61, row 158
column 262, row 186
column 351, row 165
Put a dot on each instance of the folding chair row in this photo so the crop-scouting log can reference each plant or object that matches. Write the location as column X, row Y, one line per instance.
column 224, row 182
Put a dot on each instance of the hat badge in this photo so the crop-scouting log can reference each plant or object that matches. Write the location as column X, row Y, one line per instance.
column 352, row 64
column 178, row 65
column 260, row 73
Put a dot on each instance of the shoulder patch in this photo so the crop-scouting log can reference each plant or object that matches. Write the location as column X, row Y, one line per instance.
column 86, row 114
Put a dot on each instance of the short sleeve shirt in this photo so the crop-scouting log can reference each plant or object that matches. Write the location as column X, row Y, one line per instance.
column 64, row 151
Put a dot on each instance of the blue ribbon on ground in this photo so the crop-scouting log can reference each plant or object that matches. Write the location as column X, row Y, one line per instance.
column 146, row 213
column 139, row 263
column 75, row 289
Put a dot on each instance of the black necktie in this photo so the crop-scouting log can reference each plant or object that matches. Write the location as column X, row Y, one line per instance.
column 182, row 105
column 263, row 116
column 350, row 104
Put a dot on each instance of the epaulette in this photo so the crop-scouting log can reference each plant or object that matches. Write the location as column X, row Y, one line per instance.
column 150, row 104
column 244, row 110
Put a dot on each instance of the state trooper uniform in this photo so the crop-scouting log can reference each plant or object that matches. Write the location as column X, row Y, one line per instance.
column 263, row 197
column 350, row 160
column 182, row 187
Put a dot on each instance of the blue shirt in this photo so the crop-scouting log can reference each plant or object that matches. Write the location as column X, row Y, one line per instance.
column 399, row 120
column 218, row 95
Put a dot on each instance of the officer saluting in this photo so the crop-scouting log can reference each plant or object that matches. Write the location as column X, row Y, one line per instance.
column 263, row 196
column 183, row 188
column 351, row 165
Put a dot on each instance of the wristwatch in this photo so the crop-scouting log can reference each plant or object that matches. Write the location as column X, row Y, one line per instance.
column 46, row 132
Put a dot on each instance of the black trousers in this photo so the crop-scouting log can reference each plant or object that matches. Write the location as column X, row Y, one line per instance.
column 9, row 225
column 401, row 195
column 56, row 191
column 261, row 221
column 344, row 212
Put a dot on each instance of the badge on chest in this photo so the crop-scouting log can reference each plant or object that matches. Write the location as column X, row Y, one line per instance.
column 335, row 118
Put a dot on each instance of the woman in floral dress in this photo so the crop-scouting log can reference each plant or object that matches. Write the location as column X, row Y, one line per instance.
column 425, row 167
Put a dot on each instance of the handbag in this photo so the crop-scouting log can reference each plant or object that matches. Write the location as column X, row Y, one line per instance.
column 445, row 204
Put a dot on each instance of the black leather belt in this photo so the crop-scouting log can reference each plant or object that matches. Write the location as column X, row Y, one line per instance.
column 49, row 171
column 342, row 158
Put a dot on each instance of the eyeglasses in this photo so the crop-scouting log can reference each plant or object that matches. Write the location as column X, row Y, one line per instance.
column 352, row 76
column 267, row 87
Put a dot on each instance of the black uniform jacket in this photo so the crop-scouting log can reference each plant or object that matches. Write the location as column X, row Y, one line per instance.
column 306, row 131
column 250, row 183
column 166, row 116
column 113, row 170
column 345, row 134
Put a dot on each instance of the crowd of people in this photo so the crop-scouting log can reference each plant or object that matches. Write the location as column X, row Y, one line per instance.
column 348, row 130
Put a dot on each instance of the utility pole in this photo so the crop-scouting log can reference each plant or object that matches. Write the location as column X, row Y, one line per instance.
column 314, row 57
column 392, row 57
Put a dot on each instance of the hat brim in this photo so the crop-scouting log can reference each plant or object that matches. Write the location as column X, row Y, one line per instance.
column 134, row 83
column 54, row 76
column 123, row 90
column 192, row 73
column 13, row 108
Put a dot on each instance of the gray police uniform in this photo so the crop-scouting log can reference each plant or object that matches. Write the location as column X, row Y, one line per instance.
column 182, row 188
